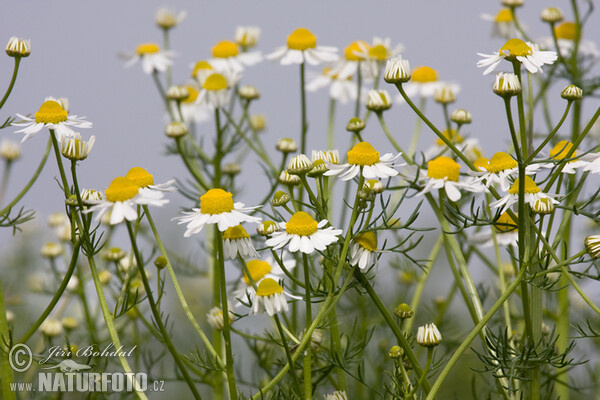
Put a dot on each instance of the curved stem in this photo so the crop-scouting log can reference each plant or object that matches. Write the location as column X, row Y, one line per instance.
column 12, row 81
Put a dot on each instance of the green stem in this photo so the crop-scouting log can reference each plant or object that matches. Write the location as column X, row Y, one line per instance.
column 414, row 141
column 307, row 355
column 193, row 170
column 331, row 124
column 288, row 355
column 12, row 81
column 5, row 177
column 5, row 364
column 303, row 124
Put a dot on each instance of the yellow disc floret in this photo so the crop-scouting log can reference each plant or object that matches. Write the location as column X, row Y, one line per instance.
column 258, row 269
column 379, row 52
column 301, row 224
column 235, row 233
column 201, row 66
column 501, row 161
column 215, row 82
column 225, row 49
column 504, row 15
column 505, row 223
column 482, row 163
column 121, row 189
column 566, row 30
column 140, row 177
column 451, row 135
column 363, row 154
column 193, row 95
column 367, row 241
column 530, row 186
column 355, row 47
column 424, row 74
column 147, row 48
column 50, row 113
column 443, row 168
column 515, row 48
column 216, row 201
column 561, row 150
column 302, row 39
column 268, row 287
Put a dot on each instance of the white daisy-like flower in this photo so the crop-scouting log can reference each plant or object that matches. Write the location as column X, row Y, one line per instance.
column 503, row 23
column 527, row 54
column 216, row 207
column 532, row 194
column 192, row 109
column 363, row 249
column 270, row 297
column 376, row 54
column 247, row 36
column 53, row 116
column 507, row 233
column 74, row 147
column 502, row 169
column 201, row 70
column 151, row 56
column 122, row 198
column 237, row 241
column 443, row 173
column 364, row 156
column 340, row 89
column 216, row 91
column 302, row 47
column 145, row 180
column 303, row 233
column 354, row 55
column 227, row 56
column 214, row 317
column 337, row 395
column 423, row 83
column 428, row 335
column 559, row 153
column 566, row 35
column 259, row 270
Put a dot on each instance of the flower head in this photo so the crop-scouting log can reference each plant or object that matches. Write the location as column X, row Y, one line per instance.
column 378, row 100
column 443, row 173
column 363, row 247
column 552, row 15
column 75, row 148
column 507, row 85
column 532, row 194
column 215, row 317
column 428, row 335
column 303, row 233
column 227, row 56
column 269, row 296
column 364, row 156
column 151, row 56
column 503, row 23
column 167, row 19
column 397, row 70
column 247, row 36
column 10, row 150
column 237, row 241
column 515, row 49
column 17, row 47
column 302, row 47
column 145, row 180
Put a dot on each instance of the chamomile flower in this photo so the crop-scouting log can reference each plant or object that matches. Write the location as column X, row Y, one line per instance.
column 237, row 241
column 559, row 153
column 53, row 116
column 337, row 395
column 247, row 36
column 122, row 198
column 227, row 56
column 506, row 231
column 515, row 49
column 167, row 19
column 364, row 156
column 375, row 54
column 440, row 148
column 215, row 91
column 443, row 173
column 363, row 249
column 423, row 82
column 532, row 194
column 502, row 168
column 75, row 148
column 347, row 66
column 302, row 47
column 270, row 297
column 216, row 207
column 259, row 270
column 192, row 109
column 201, row 70
column 303, row 233
column 145, row 180
column 503, row 23
column 151, row 56
column 566, row 35
column 340, row 89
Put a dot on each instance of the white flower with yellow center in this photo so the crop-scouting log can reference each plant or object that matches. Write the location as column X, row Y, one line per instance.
column 122, row 198
column 443, row 173
column 53, row 116
column 566, row 35
column 75, row 148
column 216, row 207
column 227, row 56
column 259, row 270
column 376, row 54
column 527, row 54
column 145, row 180
column 302, row 47
column 502, row 168
column 532, row 194
column 201, row 70
column 354, row 55
column 237, row 241
column 423, row 82
column 192, row 109
column 503, row 23
column 247, row 36
column 559, row 153
column 364, row 156
column 363, row 249
column 303, row 233
column 215, row 317
column 507, row 233
column 151, row 56
column 270, row 297
column 215, row 91
column 340, row 89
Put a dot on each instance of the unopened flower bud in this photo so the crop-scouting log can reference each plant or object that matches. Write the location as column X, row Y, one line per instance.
column 542, row 206
column 378, row 100
column 10, row 316
column 114, row 254
column 51, row 327
column 178, row 93
column 396, row 352
column 552, row 15
column 104, row 276
column 51, row 250
column 428, row 335
column 258, row 122
column 337, row 395
column 248, row 92
column 10, row 150
column 280, row 198
column 592, row 243
column 513, row 3
column 571, row 93
column 176, row 129
column 167, row 19
column 299, row 165
column 160, row 262
column 288, row 179
column 232, row 169
column 215, row 318
column 355, row 125
column 318, row 169
column 267, row 228
column 507, row 85
column 444, row 94
column 374, row 186
column 247, row 36
column 18, row 47
column 403, row 311
column 461, row 116
column 286, row 145
column 397, row 70
column 69, row 323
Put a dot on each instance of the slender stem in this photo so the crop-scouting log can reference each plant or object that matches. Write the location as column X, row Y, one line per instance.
column 12, row 81
column 5, row 177
column 167, row 46
column 308, row 351
column 358, row 91
column 552, row 133
column 5, row 363
column 61, row 169
column 303, row 123
column 331, row 124
column 163, row 94
column 193, row 170
column 288, row 355
column 414, row 141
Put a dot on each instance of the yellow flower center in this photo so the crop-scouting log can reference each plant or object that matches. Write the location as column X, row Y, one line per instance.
column 355, row 47
column 301, row 224
column 193, row 95
column 140, row 177
column 367, row 241
column 560, row 151
column 424, row 74
column 501, row 161
column 530, row 186
column 201, row 65
column 216, row 201
column 121, row 189
column 268, row 287
column 258, row 269
column 379, row 52
column 363, row 154
column 302, row 39
column 215, row 82
column 451, row 135
column 566, row 30
column 443, row 168
column 236, row 233
column 504, row 15
column 482, row 163
column 50, row 113
column 505, row 223
column 515, row 47
column 225, row 49
column 147, row 48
